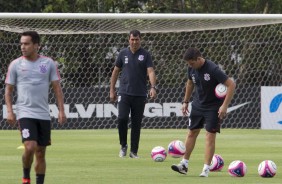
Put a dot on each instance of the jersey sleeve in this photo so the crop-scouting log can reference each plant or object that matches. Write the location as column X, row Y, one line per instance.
column 220, row 76
column 118, row 62
column 189, row 73
column 11, row 76
column 149, row 62
column 54, row 72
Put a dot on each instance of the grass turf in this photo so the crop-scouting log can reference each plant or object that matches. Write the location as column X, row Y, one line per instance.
column 91, row 156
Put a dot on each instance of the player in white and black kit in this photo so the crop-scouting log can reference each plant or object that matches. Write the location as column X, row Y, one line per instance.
column 203, row 75
column 136, row 64
column 32, row 74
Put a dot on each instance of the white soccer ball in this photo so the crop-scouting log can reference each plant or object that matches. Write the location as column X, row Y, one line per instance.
column 220, row 91
column 158, row 154
column 176, row 149
column 217, row 163
column 237, row 168
column 267, row 169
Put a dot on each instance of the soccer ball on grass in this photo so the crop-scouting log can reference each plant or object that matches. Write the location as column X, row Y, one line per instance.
column 176, row 149
column 158, row 154
column 237, row 168
column 217, row 163
column 267, row 169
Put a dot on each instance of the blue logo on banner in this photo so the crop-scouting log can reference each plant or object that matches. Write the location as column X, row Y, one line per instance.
column 275, row 103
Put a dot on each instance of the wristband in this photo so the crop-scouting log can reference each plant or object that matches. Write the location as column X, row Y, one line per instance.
column 155, row 87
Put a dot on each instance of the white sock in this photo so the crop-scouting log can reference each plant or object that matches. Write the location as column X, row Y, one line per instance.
column 206, row 166
column 185, row 162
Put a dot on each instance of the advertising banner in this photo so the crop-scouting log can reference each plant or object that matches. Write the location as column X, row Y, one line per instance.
column 271, row 107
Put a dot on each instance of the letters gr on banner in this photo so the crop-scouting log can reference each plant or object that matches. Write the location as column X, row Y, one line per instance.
column 109, row 110
column 271, row 107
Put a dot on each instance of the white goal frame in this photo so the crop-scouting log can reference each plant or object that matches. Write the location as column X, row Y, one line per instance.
column 211, row 23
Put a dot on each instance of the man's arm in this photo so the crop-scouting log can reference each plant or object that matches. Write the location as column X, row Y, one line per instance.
column 230, row 84
column 60, row 101
column 11, row 118
column 153, row 82
column 114, row 77
column 188, row 92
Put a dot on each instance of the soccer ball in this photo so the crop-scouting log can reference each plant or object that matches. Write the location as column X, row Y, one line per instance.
column 217, row 163
column 237, row 168
column 176, row 149
column 158, row 154
column 220, row 91
column 267, row 169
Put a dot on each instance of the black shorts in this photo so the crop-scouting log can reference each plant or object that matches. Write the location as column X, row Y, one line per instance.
column 210, row 118
column 36, row 130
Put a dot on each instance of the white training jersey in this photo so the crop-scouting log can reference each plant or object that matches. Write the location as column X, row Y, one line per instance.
column 32, row 80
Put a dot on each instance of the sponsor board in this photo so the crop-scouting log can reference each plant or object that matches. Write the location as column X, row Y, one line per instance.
column 271, row 107
column 110, row 110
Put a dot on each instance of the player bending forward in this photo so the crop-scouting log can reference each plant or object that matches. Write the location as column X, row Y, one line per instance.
column 203, row 75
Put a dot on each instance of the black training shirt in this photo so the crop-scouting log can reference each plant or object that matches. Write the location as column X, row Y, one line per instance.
column 133, row 79
column 205, row 80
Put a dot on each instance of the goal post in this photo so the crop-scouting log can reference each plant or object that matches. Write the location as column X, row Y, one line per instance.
column 85, row 23
column 246, row 46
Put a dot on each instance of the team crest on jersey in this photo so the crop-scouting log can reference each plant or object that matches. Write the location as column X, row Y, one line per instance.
column 141, row 57
column 207, row 77
column 193, row 79
column 25, row 133
column 43, row 68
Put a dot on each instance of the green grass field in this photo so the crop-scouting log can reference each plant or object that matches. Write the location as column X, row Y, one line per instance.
column 91, row 156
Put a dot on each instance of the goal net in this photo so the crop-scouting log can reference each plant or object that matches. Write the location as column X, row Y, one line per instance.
column 85, row 46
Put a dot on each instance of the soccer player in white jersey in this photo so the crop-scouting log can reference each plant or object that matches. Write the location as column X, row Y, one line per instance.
column 32, row 74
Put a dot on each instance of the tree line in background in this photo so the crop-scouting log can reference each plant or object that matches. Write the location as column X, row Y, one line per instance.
column 142, row 6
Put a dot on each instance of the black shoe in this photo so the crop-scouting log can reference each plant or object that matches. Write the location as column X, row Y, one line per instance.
column 122, row 152
column 133, row 155
column 181, row 168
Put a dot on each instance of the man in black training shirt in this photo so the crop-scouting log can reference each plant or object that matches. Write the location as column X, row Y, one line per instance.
column 207, row 109
column 136, row 64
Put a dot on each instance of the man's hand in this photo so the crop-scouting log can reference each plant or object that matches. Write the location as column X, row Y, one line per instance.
column 222, row 112
column 153, row 93
column 113, row 96
column 184, row 109
column 11, row 118
column 62, row 117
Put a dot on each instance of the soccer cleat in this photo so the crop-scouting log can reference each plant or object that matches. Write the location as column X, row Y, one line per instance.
column 181, row 168
column 205, row 173
column 122, row 152
column 133, row 155
column 26, row 181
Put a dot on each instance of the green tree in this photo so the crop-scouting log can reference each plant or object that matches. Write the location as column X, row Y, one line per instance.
column 142, row 6
column 22, row 5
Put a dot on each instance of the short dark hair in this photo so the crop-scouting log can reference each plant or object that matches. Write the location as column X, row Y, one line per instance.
column 35, row 38
column 192, row 54
column 135, row 33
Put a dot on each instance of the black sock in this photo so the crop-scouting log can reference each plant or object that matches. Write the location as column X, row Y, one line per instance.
column 40, row 178
column 26, row 173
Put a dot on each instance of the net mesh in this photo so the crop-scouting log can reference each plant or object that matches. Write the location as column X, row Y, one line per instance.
column 249, row 51
column 121, row 23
